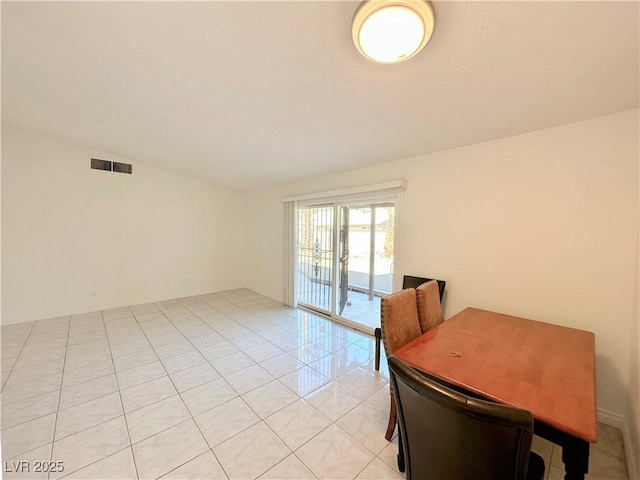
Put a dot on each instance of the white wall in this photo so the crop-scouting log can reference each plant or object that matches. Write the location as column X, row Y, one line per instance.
column 631, row 430
column 541, row 225
column 69, row 231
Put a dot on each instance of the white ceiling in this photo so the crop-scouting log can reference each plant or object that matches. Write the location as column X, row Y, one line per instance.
column 252, row 94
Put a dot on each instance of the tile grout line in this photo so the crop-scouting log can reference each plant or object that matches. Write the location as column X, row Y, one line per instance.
column 55, row 424
column 126, row 424
column 293, row 452
column 332, row 422
column 237, row 396
column 164, row 368
column 260, row 420
column 72, row 406
column 18, row 356
column 191, row 418
column 269, row 426
column 300, row 460
column 188, row 410
column 156, row 352
column 209, row 362
column 100, row 459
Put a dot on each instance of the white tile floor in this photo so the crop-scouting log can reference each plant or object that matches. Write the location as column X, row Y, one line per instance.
column 226, row 385
column 362, row 310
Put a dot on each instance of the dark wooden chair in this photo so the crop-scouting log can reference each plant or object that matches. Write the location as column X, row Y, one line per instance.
column 408, row 281
column 447, row 434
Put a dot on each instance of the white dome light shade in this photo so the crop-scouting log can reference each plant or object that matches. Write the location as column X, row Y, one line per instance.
column 392, row 31
column 391, row 34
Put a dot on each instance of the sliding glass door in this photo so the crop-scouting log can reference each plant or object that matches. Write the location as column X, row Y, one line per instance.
column 345, row 259
column 315, row 257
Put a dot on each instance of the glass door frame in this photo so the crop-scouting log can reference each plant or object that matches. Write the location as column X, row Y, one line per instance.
column 394, row 197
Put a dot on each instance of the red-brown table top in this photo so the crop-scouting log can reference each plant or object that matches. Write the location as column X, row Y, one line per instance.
column 544, row 368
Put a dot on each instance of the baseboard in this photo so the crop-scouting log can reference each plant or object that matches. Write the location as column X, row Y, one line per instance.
column 106, row 306
column 610, row 418
column 617, row 421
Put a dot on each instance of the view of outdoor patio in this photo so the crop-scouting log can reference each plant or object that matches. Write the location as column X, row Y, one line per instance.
column 369, row 274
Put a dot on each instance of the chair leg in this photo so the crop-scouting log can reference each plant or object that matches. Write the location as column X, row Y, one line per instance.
column 378, row 334
column 392, row 420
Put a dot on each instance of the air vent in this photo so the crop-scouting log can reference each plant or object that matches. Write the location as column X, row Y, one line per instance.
column 98, row 164
column 122, row 167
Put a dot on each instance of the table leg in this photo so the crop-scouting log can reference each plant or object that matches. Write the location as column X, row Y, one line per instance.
column 378, row 335
column 575, row 452
column 575, row 456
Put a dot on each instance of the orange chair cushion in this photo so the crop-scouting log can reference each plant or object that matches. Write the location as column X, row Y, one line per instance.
column 429, row 307
column 399, row 319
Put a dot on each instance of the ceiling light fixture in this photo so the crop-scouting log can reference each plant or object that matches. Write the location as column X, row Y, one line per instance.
column 392, row 31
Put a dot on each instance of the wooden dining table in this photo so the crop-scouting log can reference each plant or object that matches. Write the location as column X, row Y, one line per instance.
column 544, row 368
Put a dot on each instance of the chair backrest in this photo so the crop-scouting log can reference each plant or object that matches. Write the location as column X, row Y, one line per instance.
column 447, row 434
column 429, row 308
column 414, row 282
column 399, row 319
